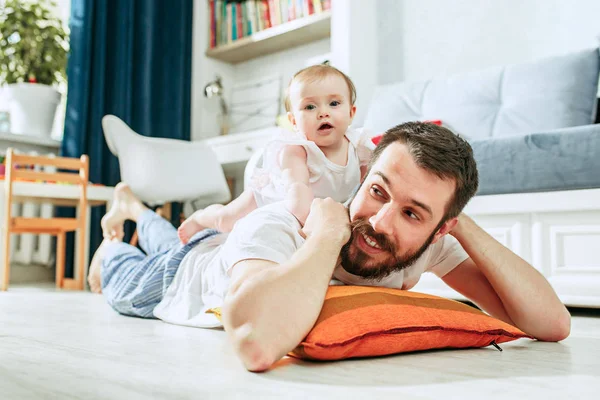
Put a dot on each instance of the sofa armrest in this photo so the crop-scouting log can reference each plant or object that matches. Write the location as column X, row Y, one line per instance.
column 583, row 129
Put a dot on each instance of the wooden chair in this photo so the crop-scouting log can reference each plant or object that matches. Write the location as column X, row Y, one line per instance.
column 17, row 167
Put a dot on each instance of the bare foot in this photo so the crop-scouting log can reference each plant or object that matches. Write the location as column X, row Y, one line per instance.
column 188, row 228
column 199, row 220
column 95, row 274
column 124, row 206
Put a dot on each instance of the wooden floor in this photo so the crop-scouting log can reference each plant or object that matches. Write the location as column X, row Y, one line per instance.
column 69, row 345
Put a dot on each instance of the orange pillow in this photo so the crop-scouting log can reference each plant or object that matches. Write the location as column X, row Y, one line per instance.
column 361, row 321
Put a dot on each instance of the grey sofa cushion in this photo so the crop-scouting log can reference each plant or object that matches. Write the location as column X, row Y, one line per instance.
column 549, row 94
column 564, row 159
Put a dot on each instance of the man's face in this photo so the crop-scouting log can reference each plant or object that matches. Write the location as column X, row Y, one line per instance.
column 396, row 214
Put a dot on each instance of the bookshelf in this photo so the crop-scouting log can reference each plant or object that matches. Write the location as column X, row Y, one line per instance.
column 271, row 40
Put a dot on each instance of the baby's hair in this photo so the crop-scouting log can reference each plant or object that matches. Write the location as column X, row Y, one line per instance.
column 315, row 73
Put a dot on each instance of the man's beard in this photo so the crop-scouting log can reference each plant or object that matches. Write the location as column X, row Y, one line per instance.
column 360, row 263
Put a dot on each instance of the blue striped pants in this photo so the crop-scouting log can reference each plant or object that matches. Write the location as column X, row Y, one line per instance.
column 134, row 283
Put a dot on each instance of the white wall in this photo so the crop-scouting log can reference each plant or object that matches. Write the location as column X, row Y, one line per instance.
column 354, row 48
column 423, row 39
column 204, row 122
column 284, row 63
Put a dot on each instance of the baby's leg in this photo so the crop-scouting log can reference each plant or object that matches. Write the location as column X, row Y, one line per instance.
column 217, row 216
column 236, row 210
column 298, row 199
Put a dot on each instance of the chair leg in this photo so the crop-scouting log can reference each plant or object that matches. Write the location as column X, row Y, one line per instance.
column 6, row 273
column 81, row 243
column 134, row 238
column 60, row 260
column 165, row 211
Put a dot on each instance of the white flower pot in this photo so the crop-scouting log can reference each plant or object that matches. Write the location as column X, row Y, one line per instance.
column 32, row 108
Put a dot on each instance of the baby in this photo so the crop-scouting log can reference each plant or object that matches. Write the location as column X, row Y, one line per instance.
column 321, row 158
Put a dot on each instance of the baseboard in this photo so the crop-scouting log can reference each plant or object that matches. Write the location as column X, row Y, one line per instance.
column 20, row 273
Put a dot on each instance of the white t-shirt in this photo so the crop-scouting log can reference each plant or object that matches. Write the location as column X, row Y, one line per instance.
column 326, row 178
column 270, row 233
column 201, row 282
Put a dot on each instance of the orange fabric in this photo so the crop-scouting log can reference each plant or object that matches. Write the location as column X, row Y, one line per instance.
column 359, row 321
column 365, row 321
column 2, row 177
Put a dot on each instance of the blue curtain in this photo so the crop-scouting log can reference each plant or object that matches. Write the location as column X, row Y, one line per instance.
column 133, row 59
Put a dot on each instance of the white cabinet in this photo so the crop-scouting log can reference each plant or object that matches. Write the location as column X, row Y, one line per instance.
column 565, row 246
column 234, row 150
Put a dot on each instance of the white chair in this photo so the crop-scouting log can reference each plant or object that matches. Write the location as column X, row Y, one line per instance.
column 161, row 171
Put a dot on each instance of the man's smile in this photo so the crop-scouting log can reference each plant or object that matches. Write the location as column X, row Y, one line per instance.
column 368, row 244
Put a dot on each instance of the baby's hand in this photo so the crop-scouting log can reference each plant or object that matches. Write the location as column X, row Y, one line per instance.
column 328, row 218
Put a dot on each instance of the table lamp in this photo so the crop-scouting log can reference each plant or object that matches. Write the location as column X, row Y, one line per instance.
column 215, row 88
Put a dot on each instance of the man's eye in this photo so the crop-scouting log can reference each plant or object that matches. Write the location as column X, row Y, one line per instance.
column 309, row 107
column 376, row 191
column 334, row 103
column 412, row 215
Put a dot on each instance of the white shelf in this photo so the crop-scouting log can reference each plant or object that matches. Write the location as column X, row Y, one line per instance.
column 28, row 139
column 281, row 37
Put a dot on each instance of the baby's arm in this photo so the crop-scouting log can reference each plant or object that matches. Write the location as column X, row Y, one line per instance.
column 217, row 216
column 299, row 195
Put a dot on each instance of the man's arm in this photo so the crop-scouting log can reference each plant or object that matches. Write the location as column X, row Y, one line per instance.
column 270, row 308
column 506, row 286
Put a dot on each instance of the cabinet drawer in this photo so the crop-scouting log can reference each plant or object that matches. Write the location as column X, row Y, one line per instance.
column 237, row 148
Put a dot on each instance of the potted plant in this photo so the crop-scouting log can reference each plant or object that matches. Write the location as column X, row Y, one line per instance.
column 33, row 57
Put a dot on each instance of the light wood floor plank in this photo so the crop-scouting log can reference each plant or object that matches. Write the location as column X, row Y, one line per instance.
column 71, row 345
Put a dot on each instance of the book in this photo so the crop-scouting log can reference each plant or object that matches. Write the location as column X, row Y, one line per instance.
column 239, row 21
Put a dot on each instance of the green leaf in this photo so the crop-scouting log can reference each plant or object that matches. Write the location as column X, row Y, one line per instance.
column 34, row 42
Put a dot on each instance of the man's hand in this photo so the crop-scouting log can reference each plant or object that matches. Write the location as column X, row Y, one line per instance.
column 270, row 307
column 328, row 218
column 459, row 228
column 505, row 285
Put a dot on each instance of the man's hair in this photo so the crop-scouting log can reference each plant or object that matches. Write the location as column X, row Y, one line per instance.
column 441, row 152
column 315, row 73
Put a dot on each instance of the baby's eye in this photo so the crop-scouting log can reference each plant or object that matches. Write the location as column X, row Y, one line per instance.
column 335, row 103
column 309, row 107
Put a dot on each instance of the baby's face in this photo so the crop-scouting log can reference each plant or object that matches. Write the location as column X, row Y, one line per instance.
column 321, row 109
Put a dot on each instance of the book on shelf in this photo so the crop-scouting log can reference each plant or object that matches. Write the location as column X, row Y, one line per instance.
column 231, row 20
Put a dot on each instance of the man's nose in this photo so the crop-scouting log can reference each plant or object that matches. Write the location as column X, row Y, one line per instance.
column 383, row 221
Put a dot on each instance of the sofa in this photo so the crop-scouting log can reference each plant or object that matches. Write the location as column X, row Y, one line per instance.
column 537, row 147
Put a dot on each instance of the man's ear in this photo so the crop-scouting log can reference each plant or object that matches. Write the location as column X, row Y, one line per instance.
column 445, row 229
column 291, row 119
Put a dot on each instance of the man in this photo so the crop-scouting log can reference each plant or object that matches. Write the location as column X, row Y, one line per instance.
column 271, row 275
